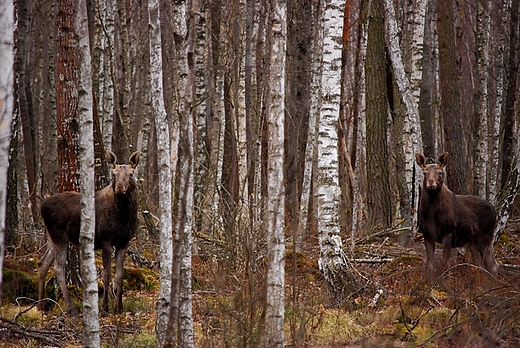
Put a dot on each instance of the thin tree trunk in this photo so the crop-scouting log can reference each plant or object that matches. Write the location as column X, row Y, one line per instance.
column 91, row 336
column 275, row 202
column 359, row 188
column 25, row 105
column 182, row 293
column 163, row 164
column 411, row 132
column 482, row 133
column 67, row 97
column 6, row 108
column 494, row 179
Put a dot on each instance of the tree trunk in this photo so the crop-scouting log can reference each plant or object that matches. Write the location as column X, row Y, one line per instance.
column 512, row 70
column 6, row 108
column 481, row 118
column 494, row 178
column 379, row 202
column 180, row 331
column 411, row 131
column 450, row 108
column 67, row 97
column 429, row 83
column 25, row 105
column 332, row 261
column 91, row 336
column 277, row 35
column 163, row 164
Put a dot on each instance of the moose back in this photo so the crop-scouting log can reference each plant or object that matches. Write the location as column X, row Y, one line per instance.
column 116, row 222
column 453, row 220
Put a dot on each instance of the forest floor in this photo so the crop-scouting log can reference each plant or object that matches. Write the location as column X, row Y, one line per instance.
column 393, row 305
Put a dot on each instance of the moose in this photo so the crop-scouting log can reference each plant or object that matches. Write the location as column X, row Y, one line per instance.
column 116, row 222
column 453, row 220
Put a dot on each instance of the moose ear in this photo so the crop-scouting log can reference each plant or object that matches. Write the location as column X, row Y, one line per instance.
column 111, row 159
column 442, row 160
column 134, row 159
column 421, row 160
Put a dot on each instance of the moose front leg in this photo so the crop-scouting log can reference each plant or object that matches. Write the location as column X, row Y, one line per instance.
column 430, row 250
column 107, row 261
column 118, row 281
column 446, row 251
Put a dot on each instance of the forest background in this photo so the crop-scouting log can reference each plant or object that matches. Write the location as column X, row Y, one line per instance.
column 278, row 125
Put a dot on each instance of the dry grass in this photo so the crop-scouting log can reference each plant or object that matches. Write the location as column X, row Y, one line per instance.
column 465, row 308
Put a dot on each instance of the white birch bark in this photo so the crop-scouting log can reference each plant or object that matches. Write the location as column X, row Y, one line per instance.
column 481, row 150
column 412, row 137
column 332, row 261
column 241, row 110
column 416, row 47
column 360, row 184
column 91, row 336
column 6, row 108
column 163, row 164
column 107, row 110
column 510, row 193
column 275, row 189
column 311, row 154
column 494, row 178
column 185, row 216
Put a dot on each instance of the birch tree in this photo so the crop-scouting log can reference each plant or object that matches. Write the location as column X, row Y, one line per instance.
column 6, row 108
column 494, row 178
column 86, row 157
column 332, row 261
column 180, row 330
column 411, row 132
column 163, row 164
column 275, row 191
column 482, row 133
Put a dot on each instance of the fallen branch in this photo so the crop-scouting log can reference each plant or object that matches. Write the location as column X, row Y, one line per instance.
column 45, row 336
column 374, row 260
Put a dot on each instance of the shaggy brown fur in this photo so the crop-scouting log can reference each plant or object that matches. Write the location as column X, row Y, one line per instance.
column 116, row 222
column 453, row 220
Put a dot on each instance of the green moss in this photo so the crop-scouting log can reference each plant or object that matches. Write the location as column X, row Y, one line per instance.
column 410, row 260
column 16, row 284
column 140, row 279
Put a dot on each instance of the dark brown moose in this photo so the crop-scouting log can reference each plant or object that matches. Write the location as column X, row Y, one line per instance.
column 453, row 220
column 116, row 222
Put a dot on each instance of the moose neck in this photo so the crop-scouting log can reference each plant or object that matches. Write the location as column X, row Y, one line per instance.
column 433, row 194
column 126, row 204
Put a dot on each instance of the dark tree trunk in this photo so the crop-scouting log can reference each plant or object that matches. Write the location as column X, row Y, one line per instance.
column 297, row 105
column 508, row 136
column 67, row 96
column 426, row 100
column 450, row 108
column 25, row 105
column 379, row 202
column 67, row 110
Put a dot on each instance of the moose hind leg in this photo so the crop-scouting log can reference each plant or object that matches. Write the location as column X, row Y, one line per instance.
column 118, row 281
column 59, row 269
column 45, row 263
column 446, row 252
column 489, row 260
